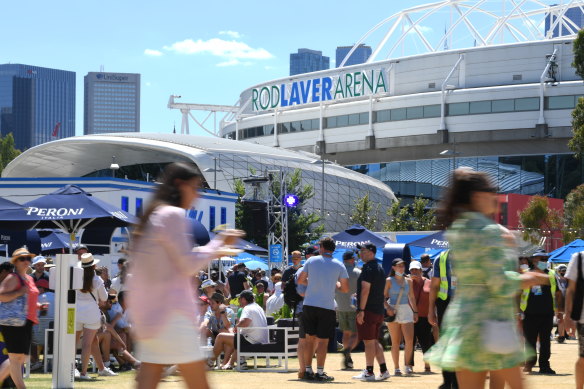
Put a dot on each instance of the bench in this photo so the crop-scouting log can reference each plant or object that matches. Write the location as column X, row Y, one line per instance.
column 277, row 348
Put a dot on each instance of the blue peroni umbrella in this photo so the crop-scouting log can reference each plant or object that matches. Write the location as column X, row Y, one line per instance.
column 434, row 241
column 54, row 240
column 357, row 234
column 71, row 209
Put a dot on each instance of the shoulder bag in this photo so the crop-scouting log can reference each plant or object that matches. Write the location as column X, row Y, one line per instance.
column 13, row 313
column 395, row 308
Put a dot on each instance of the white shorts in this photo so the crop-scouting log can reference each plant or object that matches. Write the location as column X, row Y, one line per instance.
column 404, row 314
column 177, row 343
column 79, row 325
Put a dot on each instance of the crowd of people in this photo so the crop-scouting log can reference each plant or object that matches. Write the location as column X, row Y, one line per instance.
column 477, row 310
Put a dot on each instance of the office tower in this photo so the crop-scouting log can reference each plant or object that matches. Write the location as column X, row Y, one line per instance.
column 112, row 103
column 360, row 55
column 575, row 14
column 306, row 61
column 37, row 104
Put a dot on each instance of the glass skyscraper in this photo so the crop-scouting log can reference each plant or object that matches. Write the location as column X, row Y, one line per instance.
column 112, row 103
column 37, row 104
column 575, row 14
column 360, row 55
column 306, row 61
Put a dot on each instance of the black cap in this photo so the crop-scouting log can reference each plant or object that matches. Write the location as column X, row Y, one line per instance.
column 369, row 246
column 397, row 261
column 311, row 250
column 349, row 254
column 540, row 253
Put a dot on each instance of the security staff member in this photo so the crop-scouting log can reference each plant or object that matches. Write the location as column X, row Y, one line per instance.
column 538, row 305
column 442, row 287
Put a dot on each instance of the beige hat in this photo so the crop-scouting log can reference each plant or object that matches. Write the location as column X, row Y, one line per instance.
column 87, row 260
column 21, row 252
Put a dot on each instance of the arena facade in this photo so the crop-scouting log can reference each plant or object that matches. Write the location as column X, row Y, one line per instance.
column 502, row 104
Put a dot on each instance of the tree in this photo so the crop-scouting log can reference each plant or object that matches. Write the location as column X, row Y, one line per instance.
column 302, row 225
column 576, row 144
column 423, row 218
column 538, row 220
column 574, row 214
column 414, row 217
column 366, row 212
column 7, row 151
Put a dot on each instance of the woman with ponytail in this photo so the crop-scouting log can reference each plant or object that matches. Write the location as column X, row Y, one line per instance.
column 160, row 294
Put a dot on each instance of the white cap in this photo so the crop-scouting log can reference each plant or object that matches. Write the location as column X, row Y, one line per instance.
column 415, row 265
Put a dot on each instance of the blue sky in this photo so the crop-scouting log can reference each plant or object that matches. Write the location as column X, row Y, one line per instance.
column 207, row 52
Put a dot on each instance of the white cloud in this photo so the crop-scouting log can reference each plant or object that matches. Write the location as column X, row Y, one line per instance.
column 153, row 53
column 228, row 50
column 269, row 67
column 148, row 83
column 233, row 34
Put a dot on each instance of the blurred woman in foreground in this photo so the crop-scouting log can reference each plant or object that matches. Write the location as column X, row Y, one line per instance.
column 161, row 300
column 484, row 264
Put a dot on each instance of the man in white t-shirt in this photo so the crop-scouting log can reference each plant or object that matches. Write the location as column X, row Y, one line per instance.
column 252, row 315
column 575, row 309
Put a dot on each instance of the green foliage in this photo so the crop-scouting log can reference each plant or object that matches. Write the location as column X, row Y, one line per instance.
column 284, row 313
column 576, row 144
column 574, row 214
column 538, row 219
column 7, row 151
column 578, row 50
column 414, row 217
column 302, row 226
column 366, row 212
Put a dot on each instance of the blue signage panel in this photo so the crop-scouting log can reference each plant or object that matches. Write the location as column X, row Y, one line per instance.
column 275, row 253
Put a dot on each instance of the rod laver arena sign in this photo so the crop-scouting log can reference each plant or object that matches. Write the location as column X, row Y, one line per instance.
column 313, row 90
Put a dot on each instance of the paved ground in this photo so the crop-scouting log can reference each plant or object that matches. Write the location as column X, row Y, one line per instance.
column 563, row 359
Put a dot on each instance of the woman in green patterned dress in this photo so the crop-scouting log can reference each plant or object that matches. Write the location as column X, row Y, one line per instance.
column 484, row 263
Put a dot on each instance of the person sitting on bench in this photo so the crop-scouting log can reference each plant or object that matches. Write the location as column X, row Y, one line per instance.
column 252, row 316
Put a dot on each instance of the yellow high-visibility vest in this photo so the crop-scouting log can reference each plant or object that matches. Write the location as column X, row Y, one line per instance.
column 525, row 293
column 443, row 292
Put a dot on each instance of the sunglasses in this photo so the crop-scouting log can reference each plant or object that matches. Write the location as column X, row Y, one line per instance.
column 23, row 259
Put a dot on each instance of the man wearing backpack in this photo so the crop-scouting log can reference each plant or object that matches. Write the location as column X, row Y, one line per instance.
column 574, row 313
column 296, row 257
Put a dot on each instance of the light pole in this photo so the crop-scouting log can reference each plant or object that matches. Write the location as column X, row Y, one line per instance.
column 322, row 162
column 214, row 170
column 452, row 152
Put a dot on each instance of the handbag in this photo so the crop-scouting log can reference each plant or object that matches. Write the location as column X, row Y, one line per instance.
column 500, row 337
column 13, row 313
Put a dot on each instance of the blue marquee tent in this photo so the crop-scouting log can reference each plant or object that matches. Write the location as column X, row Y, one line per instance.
column 357, row 234
column 564, row 253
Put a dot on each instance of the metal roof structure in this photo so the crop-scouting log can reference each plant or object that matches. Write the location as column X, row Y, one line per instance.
column 221, row 161
column 470, row 23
